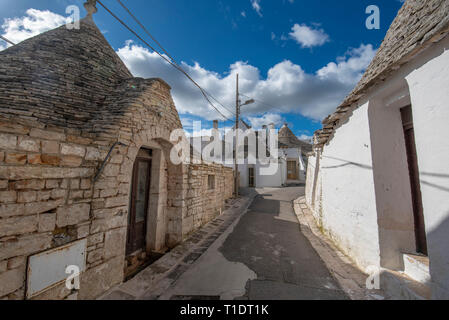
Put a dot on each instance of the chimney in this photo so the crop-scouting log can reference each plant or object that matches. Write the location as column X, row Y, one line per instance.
column 271, row 125
column 264, row 127
column 216, row 124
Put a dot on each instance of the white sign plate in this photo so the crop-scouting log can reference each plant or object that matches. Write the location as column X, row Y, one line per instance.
column 48, row 269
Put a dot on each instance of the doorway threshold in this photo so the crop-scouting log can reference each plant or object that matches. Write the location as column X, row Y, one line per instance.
column 132, row 269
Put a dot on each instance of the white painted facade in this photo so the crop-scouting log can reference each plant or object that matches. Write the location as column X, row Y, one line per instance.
column 295, row 154
column 345, row 170
column 279, row 178
column 358, row 185
column 261, row 180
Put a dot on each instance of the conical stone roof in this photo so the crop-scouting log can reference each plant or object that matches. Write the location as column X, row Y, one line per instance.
column 61, row 77
column 288, row 138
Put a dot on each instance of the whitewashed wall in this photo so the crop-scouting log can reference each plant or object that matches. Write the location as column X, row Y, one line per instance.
column 429, row 90
column 274, row 180
column 283, row 169
column 262, row 181
column 314, row 187
column 348, row 198
column 310, row 180
column 244, row 177
column 363, row 174
column 344, row 189
column 391, row 175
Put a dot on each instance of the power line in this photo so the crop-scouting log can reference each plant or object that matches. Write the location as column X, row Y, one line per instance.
column 165, row 51
column 213, row 98
column 165, row 58
column 146, row 31
column 8, row 41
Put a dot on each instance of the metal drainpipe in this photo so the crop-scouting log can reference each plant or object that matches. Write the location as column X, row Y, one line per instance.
column 106, row 159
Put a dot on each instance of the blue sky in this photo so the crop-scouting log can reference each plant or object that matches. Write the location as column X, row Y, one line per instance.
column 299, row 57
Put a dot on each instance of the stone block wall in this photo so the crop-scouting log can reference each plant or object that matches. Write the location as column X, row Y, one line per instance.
column 48, row 196
column 55, row 132
column 48, row 199
column 203, row 203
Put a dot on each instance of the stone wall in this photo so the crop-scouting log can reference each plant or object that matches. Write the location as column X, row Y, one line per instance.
column 46, row 194
column 202, row 203
column 48, row 197
column 66, row 101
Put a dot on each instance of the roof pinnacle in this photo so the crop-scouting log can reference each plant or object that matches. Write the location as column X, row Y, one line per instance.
column 91, row 7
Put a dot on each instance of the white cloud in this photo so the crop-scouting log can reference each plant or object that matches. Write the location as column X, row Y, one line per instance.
column 287, row 86
column 266, row 119
column 243, row 14
column 347, row 68
column 305, row 137
column 187, row 97
column 308, row 37
column 33, row 23
column 256, row 6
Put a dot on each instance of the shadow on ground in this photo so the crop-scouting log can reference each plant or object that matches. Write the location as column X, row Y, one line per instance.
column 268, row 240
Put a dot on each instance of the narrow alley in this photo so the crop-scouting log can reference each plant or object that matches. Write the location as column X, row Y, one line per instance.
column 263, row 255
column 214, row 151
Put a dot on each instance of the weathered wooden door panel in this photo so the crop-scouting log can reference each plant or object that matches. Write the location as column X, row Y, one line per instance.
column 412, row 159
column 291, row 170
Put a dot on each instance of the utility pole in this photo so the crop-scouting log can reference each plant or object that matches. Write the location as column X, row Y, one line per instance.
column 237, row 120
column 237, row 111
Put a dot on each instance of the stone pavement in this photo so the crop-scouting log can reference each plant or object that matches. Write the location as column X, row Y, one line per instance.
column 263, row 249
column 262, row 256
column 150, row 283
column 268, row 240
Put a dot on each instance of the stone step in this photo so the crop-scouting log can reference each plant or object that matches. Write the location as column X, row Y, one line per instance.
column 417, row 267
column 398, row 286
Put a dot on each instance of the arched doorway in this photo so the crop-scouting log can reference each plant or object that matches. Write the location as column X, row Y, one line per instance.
column 137, row 255
column 155, row 212
column 396, row 176
column 139, row 202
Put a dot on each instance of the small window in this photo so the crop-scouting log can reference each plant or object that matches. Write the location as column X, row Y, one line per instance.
column 211, row 182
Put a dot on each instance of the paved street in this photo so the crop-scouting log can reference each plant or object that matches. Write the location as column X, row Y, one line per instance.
column 262, row 255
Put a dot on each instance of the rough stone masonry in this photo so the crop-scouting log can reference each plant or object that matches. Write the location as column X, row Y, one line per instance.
column 66, row 100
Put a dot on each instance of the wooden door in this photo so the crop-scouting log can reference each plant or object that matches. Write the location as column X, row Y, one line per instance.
column 251, row 179
column 412, row 159
column 139, row 205
column 291, row 170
